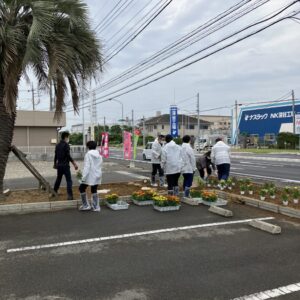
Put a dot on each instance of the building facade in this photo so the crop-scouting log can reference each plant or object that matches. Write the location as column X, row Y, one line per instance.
column 187, row 125
column 219, row 124
column 37, row 128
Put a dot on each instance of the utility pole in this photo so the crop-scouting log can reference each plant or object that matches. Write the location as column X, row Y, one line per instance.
column 236, row 124
column 51, row 97
column 104, row 123
column 144, row 131
column 132, row 121
column 83, row 125
column 293, row 106
column 198, row 118
column 32, row 97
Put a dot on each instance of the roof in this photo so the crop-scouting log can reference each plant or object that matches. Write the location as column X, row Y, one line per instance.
column 165, row 119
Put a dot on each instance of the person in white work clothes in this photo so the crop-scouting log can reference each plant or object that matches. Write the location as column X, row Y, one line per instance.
column 156, row 161
column 91, row 176
column 172, row 163
column 220, row 156
column 189, row 164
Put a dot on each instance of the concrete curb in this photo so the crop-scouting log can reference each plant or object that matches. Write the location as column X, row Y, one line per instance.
column 273, row 229
column 282, row 159
column 220, row 211
column 24, row 208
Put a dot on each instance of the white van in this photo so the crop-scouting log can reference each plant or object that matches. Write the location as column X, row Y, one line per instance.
column 147, row 152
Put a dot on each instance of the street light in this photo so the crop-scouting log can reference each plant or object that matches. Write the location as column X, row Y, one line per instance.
column 114, row 99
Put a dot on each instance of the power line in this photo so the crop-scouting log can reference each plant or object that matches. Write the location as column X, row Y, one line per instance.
column 183, row 43
column 129, row 21
column 115, row 16
column 205, row 56
column 213, row 52
column 100, row 24
column 129, row 73
column 139, row 31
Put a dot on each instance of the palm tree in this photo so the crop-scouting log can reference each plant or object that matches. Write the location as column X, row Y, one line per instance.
column 52, row 38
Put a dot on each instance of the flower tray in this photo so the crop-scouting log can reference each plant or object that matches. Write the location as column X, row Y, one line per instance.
column 166, row 208
column 191, row 201
column 118, row 206
column 142, row 203
column 219, row 202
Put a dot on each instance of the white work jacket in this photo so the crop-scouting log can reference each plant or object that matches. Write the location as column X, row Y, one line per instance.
column 220, row 153
column 92, row 171
column 156, row 152
column 189, row 161
column 171, row 159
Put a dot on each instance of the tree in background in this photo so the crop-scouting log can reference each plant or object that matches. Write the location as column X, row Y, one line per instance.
column 76, row 139
column 55, row 40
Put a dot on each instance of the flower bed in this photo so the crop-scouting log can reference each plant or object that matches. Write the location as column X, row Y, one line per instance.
column 267, row 192
column 143, row 198
column 112, row 201
column 166, row 203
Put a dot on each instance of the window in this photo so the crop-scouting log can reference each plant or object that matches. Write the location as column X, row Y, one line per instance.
column 179, row 126
column 191, row 126
column 162, row 126
column 155, row 126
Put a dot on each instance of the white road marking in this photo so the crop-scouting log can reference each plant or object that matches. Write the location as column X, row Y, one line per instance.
column 267, row 177
column 234, row 168
column 132, row 175
column 129, row 235
column 271, row 294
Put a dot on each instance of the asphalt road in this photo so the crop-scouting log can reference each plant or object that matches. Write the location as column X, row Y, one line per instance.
column 259, row 170
column 215, row 262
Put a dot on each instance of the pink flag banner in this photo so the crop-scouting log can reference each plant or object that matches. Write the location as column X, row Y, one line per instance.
column 127, row 145
column 104, row 149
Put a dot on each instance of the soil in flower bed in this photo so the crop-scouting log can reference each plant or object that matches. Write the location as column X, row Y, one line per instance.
column 31, row 196
column 256, row 188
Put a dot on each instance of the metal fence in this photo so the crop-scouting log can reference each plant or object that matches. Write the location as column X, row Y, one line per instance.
column 46, row 153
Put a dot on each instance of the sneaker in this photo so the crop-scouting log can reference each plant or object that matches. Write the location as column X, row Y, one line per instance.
column 154, row 184
column 84, row 208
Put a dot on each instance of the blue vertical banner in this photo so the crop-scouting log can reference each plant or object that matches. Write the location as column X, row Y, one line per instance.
column 174, row 121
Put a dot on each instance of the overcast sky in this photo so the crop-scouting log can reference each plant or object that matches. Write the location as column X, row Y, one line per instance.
column 261, row 68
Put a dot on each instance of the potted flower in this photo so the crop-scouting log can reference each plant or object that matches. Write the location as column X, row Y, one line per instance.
column 262, row 194
column 229, row 183
column 250, row 188
column 143, row 198
column 285, row 198
column 215, row 182
column 296, row 195
column 166, row 203
column 210, row 182
column 222, row 184
column 287, row 189
column 242, row 189
column 272, row 192
column 113, row 202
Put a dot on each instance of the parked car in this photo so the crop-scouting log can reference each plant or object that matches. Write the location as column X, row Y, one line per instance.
column 147, row 151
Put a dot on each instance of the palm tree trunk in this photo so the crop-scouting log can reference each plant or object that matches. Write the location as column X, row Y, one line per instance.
column 7, row 123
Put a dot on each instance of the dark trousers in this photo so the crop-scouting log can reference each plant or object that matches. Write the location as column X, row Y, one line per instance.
column 64, row 171
column 201, row 172
column 223, row 171
column 172, row 180
column 83, row 187
column 155, row 168
column 187, row 180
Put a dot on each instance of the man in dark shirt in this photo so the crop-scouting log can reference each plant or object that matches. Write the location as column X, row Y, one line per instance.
column 62, row 161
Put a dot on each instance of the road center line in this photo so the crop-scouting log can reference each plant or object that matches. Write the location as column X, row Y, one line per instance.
column 129, row 235
column 270, row 294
